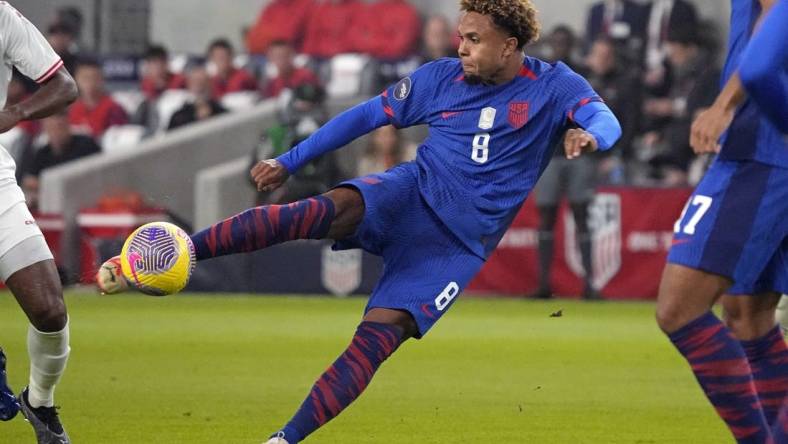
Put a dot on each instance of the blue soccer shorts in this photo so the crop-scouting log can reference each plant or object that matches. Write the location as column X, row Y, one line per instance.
column 735, row 225
column 425, row 266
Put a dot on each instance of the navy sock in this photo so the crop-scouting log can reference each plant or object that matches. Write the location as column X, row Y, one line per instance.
column 768, row 357
column 721, row 368
column 261, row 227
column 344, row 381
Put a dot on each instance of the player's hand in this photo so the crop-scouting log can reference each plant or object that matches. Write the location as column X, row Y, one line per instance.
column 269, row 174
column 9, row 118
column 577, row 142
column 708, row 127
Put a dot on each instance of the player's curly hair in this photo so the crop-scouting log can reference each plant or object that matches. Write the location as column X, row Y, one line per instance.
column 518, row 17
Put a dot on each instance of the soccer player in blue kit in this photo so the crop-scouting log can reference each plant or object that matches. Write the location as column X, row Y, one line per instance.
column 494, row 117
column 732, row 238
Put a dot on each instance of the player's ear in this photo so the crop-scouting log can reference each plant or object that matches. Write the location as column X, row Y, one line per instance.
column 510, row 46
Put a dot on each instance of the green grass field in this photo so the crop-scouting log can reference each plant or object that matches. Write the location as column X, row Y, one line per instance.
column 228, row 369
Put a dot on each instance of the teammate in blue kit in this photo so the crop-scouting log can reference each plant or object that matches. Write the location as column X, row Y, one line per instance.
column 732, row 239
column 494, row 117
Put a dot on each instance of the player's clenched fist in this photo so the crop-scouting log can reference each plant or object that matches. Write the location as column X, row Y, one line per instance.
column 269, row 174
column 578, row 141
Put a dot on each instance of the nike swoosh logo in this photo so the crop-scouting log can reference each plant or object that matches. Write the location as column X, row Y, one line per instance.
column 448, row 114
column 679, row 242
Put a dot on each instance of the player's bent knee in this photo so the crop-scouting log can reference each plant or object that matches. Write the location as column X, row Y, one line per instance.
column 400, row 318
column 348, row 211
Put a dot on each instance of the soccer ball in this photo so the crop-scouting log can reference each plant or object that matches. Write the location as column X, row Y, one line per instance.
column 158, row 258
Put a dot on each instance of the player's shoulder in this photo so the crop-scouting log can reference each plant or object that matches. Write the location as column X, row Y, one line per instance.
column 8, row 12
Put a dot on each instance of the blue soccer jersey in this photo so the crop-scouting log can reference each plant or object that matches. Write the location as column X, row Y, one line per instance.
column 751, row 135
column 487, row 144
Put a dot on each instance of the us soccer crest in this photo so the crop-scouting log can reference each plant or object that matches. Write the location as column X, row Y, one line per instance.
column 341, row 271
column 518, row 114
column 604, row 222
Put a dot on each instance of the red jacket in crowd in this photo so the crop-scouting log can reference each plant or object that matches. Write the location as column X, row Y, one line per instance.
column 327, row 30
column 239, row 80
column 301, row 76
column 280, row 20
column 153, row 91
column 386, row 29
column 97, row 119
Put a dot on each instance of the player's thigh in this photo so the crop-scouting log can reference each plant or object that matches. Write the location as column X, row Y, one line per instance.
column 750, row 316
column 389, row 204
column 425, row 278
column 28, row 269
column 734, row 223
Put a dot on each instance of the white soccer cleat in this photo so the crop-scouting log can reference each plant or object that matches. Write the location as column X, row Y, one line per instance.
column 277, row 441
column 109, row 277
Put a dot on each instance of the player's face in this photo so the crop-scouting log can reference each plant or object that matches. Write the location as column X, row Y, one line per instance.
column 484, row 48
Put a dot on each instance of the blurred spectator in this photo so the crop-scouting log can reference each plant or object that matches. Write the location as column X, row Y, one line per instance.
column 72, row 17
column 617, row 19
column 156, row 75
column 663, row 17
column 203, row 105
column 385, row 29
column 156, row 79
column 301, row 116
column 327, row 28
column 620, row 90
column 694, row 86
column 226, row 78
column 436, row 40
column 280, row 20
column 386, row 150
column 288, row 76
column 62, row 38
column 561, row 44
column 94, row 111
column 62, row 146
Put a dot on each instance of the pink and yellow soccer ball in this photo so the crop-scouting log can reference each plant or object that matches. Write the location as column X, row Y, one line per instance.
column 158, row 258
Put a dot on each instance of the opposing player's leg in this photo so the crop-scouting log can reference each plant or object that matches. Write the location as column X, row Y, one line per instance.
column 9, row 405
column 29, row 272
column 751, row 319
column 714, row 246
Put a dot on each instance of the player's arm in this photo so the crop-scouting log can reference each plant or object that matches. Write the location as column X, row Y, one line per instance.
column 338, row 132
column 599, row 130
column 763, row 66
column 710, row 124
column 53, row 95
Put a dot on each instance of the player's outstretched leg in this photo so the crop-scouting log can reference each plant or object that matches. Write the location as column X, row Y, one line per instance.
column 262, row 227
column 376, row 338
column 38, row 291
column 9, row 406
column 751, row 319
column 716, row 357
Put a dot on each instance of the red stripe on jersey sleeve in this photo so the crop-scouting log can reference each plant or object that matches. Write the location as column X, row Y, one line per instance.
column 50, row 71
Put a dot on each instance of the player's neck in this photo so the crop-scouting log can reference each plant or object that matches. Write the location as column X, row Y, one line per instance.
column 509, row 71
